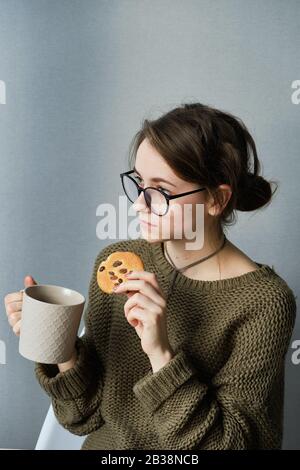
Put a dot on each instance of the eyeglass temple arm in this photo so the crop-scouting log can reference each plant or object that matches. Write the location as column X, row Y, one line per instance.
column 185, row 194
column 127, row 172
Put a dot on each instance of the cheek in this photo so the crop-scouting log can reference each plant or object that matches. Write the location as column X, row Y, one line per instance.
column 172, row 222
column 165, row 223
column 193, row 215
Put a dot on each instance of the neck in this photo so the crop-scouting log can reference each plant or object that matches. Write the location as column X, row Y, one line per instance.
column 181, row 256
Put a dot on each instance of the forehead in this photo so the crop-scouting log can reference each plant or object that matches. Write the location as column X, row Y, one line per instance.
column 150, row 163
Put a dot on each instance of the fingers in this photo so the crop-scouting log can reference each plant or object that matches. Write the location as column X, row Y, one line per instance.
column 144, row 287
column 29, row 281
column 134, row 316
column 13, row 297
column 13, row 318
column 13, row 306
column 141, row 301
column 130, row 293
column 17, row 327
column 148, row 277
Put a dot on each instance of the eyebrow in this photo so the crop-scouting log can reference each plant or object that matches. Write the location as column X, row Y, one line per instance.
column 156, row 179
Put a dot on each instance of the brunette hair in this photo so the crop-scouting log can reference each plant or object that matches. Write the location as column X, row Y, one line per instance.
column 210, row 147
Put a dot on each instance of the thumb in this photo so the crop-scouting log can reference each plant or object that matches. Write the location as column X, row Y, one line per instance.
column 29, row 281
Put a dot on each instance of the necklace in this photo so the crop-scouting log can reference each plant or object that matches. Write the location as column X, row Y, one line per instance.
column 176, row 270
column 198, row 261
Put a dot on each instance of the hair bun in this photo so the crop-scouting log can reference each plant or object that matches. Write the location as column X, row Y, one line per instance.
column 251, row 180
column 254, row 192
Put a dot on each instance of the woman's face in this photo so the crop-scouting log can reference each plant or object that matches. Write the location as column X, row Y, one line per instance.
column 186, row 214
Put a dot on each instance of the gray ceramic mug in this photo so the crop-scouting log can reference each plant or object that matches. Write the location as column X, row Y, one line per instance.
column 49, row 323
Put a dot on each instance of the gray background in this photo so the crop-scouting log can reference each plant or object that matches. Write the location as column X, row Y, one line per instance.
column 80, row 76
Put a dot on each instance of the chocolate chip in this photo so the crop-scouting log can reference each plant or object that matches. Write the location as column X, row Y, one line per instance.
column 120, row 280
column 123, row 270
column 101, row 268
column 113, row 278
column 111, row 273
column 117, row 263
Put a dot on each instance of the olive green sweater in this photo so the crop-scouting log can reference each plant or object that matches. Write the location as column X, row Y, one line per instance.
column 224, row 387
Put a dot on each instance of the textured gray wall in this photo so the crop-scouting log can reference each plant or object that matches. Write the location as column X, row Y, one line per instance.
column 80, row 76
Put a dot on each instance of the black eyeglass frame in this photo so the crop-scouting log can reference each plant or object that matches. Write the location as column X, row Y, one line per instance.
column 168, row 197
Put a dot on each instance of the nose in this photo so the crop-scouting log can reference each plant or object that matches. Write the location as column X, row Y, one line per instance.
column 140, row 203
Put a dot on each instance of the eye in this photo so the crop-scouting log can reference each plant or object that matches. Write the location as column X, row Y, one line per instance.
column 139, row 181
column 164, row 190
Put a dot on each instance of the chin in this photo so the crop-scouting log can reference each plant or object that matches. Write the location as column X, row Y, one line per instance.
column 152, row 238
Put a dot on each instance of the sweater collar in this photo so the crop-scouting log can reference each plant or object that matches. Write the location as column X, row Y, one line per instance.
column 158, row 257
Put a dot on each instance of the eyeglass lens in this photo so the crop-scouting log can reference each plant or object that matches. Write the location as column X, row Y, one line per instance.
column 155, row 200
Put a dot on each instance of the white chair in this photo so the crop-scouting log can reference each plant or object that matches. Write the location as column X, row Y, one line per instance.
column 54, row 436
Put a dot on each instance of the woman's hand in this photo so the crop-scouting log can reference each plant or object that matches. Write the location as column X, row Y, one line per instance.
column 145, row 310
column 14, row 304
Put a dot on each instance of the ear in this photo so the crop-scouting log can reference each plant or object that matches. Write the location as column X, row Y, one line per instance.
column 219, row 200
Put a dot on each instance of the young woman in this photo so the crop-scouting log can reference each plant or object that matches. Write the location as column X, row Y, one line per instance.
column 189, row 353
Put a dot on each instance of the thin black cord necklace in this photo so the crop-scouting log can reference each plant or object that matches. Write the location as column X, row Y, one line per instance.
column 191, row 264
column 198, row 261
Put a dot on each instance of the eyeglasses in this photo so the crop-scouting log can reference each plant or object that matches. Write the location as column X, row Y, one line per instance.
column 156, row 199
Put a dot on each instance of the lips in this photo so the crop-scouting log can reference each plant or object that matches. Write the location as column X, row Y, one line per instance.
column 147, row 223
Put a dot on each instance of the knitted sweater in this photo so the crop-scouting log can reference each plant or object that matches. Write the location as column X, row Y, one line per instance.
column 224, row 387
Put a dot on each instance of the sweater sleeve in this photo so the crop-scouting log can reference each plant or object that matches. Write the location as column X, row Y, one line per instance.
column 76, row 393
column 241, row 405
